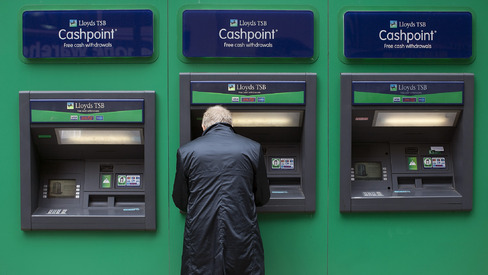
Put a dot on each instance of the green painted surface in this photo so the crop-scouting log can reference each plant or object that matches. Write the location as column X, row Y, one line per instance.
column 293, row 243
column 77, row 252
column 443, row 98
column 408, row 243
column 325, row 242
column 54, row 116
column 220, row 98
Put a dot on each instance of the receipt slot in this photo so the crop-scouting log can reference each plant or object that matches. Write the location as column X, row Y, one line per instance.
column 406, row 142
column 276, row 110
column 87, row 160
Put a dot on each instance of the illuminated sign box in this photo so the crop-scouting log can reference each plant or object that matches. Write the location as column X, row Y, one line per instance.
column 87, row 34
column 375, row 34
column 248, row 33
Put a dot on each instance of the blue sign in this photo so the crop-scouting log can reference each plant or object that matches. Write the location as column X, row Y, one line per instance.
column 407, row 34
column 87, row 33
column 248, row 33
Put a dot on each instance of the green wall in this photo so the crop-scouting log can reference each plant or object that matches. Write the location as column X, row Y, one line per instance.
column 325, row 242
column 409, row 243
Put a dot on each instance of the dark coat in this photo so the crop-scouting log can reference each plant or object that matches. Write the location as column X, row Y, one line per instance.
column 220, row 179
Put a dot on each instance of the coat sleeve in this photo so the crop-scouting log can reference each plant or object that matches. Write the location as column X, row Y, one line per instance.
column 180, row 187
column 261, row 185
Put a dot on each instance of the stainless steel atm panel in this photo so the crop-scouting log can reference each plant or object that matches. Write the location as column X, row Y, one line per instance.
column 406, row 142
column 87, row 160
column 276, row 110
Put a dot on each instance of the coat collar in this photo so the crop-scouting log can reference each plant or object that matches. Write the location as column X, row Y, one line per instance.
column 219, row 127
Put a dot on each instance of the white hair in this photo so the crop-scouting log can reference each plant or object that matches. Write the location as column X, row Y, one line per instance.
column 216, row 114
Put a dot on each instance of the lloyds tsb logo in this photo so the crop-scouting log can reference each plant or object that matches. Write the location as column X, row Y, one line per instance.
column 234, row 23
column 73, row 23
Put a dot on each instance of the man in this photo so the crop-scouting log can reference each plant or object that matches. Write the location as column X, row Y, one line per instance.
column 220, row 179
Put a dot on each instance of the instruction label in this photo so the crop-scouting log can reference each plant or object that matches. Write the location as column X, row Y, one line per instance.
column 128, row 180
column 412, row 163
column 283, row 163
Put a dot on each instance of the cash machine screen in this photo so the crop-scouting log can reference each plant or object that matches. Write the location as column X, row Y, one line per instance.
column 61, row 188
column 367, row 170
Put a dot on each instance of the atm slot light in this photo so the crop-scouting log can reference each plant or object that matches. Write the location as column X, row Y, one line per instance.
column 267, row 119
column 119, row 136
column 432, row 118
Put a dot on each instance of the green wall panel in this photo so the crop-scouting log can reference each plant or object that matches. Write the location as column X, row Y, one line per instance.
column 407, row 243
column 293, row 243
column 77, row 252
column 325, row 242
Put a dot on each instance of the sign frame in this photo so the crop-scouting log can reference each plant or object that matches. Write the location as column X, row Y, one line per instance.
column 248, row 92
column 408, row 93
column 87, row 111
column 105, row 59
column 253, row 60
column 404, row 60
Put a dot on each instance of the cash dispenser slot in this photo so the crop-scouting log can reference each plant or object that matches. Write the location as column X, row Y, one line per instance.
column 406, row 142
column 286, row 188
column 284, row 181
column 437, row 182
column 407, row 183
column 427, row 182
column 100, row 201
column 97, row 200
column 276, row 110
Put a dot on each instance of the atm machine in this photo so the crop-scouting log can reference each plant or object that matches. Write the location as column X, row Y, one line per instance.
column 87, row 160
column 406, row 142
column 276, row 110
